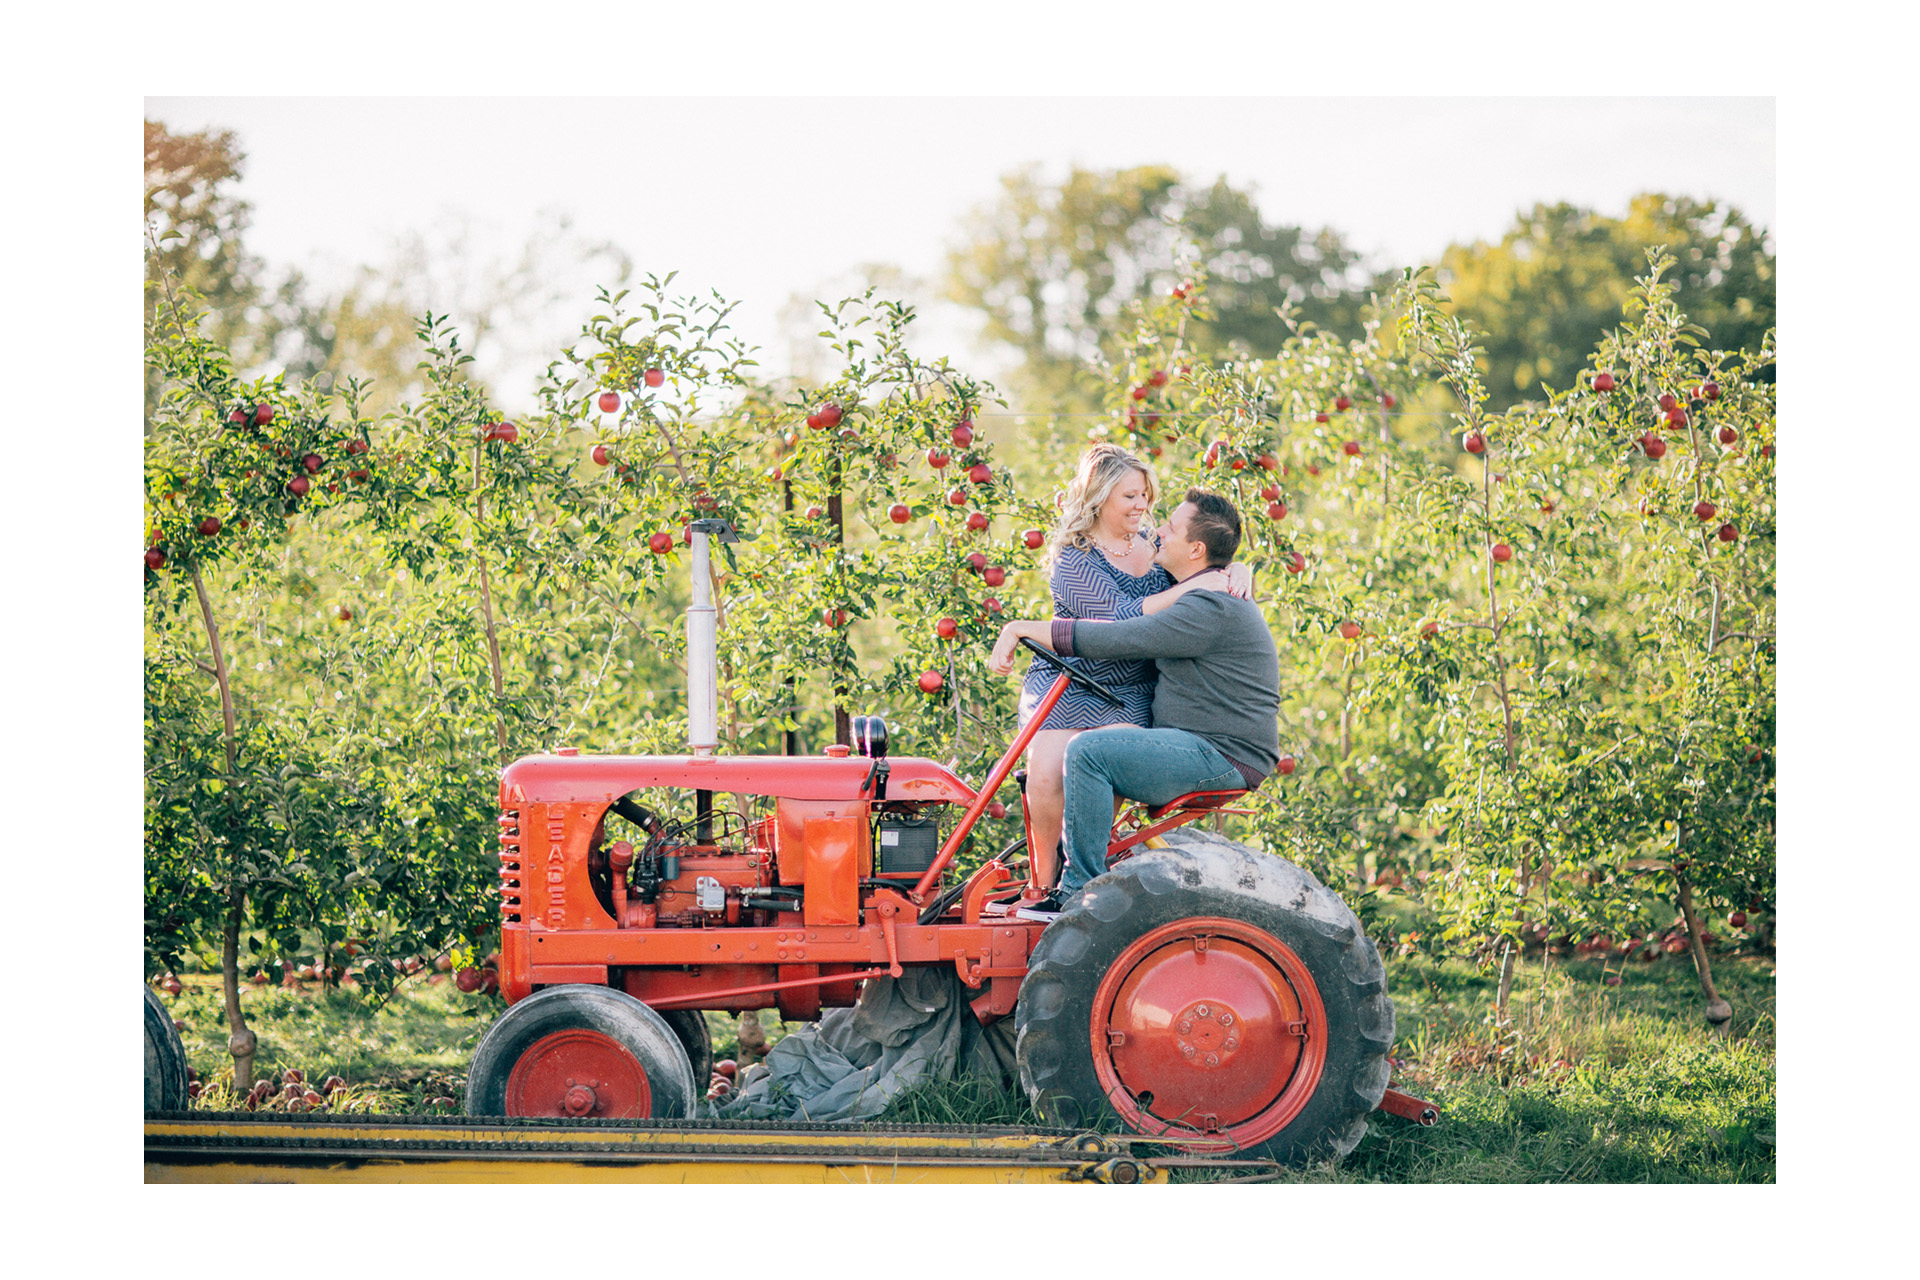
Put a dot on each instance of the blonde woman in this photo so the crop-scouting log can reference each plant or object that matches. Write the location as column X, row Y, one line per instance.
column 1099, row 563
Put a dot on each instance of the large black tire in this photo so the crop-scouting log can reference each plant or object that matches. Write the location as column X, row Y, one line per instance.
column 1138, row 940
column 582, row 1051
column 166, row 1059
column 690, row 1027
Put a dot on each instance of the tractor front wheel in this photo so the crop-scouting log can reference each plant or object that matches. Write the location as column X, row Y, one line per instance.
column 582, row 1052
column 1211, row 993
column 166, row 1059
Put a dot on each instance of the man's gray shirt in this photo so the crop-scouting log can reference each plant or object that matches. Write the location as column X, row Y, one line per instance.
column 1219, row 672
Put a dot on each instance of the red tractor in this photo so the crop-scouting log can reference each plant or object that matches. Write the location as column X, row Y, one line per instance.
column 1197, row 989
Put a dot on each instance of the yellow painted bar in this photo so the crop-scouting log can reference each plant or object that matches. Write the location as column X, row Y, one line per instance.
column 465, row 1170
column 612, row 1139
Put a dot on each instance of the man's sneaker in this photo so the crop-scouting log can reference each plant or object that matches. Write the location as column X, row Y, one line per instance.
column 1046, row 910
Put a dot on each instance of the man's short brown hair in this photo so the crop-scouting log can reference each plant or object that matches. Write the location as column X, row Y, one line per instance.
column 1215, row 523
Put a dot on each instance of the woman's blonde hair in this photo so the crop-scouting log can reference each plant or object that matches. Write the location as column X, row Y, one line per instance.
column 1102, row 469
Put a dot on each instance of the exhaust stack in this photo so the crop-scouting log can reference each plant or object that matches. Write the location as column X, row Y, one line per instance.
column 703, row 702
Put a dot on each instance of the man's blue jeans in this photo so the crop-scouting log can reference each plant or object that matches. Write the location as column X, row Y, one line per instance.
column 1150, row 765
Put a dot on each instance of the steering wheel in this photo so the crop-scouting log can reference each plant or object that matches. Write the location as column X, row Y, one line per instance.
column 1074, row 673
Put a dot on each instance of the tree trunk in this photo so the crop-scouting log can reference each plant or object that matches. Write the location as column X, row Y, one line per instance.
column 486, row 614
column 241, row 1042
column 1719, row 1012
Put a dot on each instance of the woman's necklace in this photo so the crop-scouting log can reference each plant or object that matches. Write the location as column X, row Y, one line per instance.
column 1125, row 547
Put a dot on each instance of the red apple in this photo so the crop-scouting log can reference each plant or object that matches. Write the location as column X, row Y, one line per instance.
column 1276, row 511
column 996, row 811
column 1502, row 553
column 1286, row 765
column 1351, row 448
column 1737, row 920
column 600, row 455
column 653, row 377
column 1705, row 510
column 813, row 420
column 1139, row 393
column 609, row 402
column 1387, row 400
column 344, row 614
column 1350, row 630
column 1603, row 381
column 356, row 447
column 262, row 414
column 1267, row 462
column 899, row 513
column 1321, row 417
column 963, row 433
column 313, row 462
column 660, row 543
column 1296, row 563
column 1213, row 454
column 946, row 628
column 936, row 459
column 980, row 473
column 1709, row 391
column 1668, row 402
column 506, row 433
column 930, row 681
column 957, row 498
column 993, row 575
column 815, row 512
column 990, row 604
column 1677, row 416
column 1546, row 508
column 1239, row 464
column 1034, row 539
column 1158, row 378
column 1655, row 447
column 359, row 475
column 977, row 520
column 1342, row 403
column 1766, row 451
column 1153, row 451
column 976, row 561
column 1475, row 442
column 1727, row 532
column 208, row 527
column 1727, row 435
column 834, row 617
column 686, row 535
column 298, row 486
column 1271, row 492
column 1429, row 628
column 727, row 1067
column 238, row 417
column 467, row 980
column 155, row 557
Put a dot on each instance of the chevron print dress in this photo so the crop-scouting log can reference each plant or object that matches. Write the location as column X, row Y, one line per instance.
column 1086, row 585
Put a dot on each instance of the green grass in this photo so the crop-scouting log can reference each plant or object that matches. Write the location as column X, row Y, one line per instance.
column 1589, row 1083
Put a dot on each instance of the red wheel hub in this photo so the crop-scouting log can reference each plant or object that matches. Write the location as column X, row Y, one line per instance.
column 1209, row 1025
column 581, row 1074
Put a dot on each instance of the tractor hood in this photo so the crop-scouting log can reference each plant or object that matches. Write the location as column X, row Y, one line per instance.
column 572, row 779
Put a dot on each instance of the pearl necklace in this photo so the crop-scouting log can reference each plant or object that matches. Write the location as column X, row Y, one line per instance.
column 1112, row 554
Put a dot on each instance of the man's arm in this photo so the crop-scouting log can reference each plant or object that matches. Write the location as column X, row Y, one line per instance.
column 1188, row 628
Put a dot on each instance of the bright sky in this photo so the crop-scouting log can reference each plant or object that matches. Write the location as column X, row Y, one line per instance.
column 766, row 198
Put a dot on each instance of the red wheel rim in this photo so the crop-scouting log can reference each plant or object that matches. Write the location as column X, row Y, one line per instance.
column 579, row 1074
column 1211, row 1026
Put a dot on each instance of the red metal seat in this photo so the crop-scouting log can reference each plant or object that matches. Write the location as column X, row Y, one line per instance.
column 1194, row 800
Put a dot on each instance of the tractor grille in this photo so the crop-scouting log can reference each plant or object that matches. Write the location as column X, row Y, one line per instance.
column 510, row 889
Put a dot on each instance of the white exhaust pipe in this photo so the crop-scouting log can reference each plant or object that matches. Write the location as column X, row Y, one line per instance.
column 703, row 664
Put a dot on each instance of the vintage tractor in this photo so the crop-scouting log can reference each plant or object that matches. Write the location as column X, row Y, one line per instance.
column 1196, row 989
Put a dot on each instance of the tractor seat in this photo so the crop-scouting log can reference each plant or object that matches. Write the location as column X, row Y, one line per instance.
column 1194, row 800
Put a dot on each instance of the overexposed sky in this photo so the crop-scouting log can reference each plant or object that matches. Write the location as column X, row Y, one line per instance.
column 767, row 198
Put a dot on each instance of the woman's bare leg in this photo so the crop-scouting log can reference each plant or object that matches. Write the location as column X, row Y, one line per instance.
column 1046, row 801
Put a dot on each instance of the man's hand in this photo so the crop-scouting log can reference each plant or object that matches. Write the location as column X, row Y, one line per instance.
column 1001, row 661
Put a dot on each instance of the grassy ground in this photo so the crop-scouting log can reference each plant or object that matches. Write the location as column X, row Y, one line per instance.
column 1592, row 1083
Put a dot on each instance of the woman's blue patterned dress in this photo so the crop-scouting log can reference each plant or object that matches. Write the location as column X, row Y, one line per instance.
column 1086, row 585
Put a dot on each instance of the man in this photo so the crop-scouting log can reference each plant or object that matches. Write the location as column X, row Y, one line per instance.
column 1215, row 711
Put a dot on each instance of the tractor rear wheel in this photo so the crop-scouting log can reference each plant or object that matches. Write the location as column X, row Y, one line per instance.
column 166, row 1059
column 1205, row 990
column 583, row 1052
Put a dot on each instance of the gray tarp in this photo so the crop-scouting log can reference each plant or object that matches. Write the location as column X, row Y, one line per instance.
column 848, row 1065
